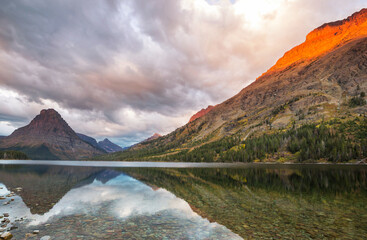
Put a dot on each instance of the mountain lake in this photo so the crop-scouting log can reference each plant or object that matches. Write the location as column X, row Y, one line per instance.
column 125, row 200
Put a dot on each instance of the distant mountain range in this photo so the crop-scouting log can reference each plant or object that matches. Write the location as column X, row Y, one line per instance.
column 106, row 145
column 109, row 146
column 322, row 79
column 49, row 137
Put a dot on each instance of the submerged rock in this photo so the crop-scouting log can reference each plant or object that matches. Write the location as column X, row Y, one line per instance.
column 6, row 236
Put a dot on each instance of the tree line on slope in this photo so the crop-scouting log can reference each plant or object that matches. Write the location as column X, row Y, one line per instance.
column 11, row 154
column 333, row 141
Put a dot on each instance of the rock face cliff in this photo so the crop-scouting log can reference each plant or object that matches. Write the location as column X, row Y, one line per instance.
column 48, row 136
column 89, row 140
column 201, row 113
column 324, row 39
column 315, row 80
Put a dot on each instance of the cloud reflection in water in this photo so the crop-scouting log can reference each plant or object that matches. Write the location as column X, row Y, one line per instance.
column 123, row 197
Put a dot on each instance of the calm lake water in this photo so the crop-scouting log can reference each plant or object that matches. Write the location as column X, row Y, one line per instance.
column 183, row 201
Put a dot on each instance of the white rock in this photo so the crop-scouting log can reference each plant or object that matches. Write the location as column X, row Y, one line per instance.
column 45, row 238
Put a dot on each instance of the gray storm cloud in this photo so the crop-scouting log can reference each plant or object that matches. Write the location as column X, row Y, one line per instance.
column 126, row 69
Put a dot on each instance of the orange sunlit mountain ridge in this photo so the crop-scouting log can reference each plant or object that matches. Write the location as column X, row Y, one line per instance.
column 313, row 82
column 201, row 113
column 319, row 42
column 324, row 39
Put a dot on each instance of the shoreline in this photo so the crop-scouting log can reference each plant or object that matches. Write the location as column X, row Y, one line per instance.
column 145, row 164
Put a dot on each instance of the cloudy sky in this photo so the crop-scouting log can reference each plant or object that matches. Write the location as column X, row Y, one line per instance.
column 126, row 69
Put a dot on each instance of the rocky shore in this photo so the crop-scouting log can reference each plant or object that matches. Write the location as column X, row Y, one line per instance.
column 9, row 223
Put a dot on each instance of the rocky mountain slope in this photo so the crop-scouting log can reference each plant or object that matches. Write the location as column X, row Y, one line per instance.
column 324, row 39
column 109, row 146
column 153, row 137
column 319, row 80
column 201, row 113
column 89, row 140
column 48, row 136
column 106, row 145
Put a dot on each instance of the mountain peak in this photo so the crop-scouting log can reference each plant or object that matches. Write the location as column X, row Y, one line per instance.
column 49, row 111
column 201, row 113
column 109, row 146
column 324, row 39
column 49, row 132
column 48, row 122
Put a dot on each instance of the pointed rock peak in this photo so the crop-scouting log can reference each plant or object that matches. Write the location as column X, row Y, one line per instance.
column 156, row 135
column 109, row 146
column 48, row 114
column 49, row 111
column 324, row 39
column 201, row 113
column 49, row 119
column 49, row 134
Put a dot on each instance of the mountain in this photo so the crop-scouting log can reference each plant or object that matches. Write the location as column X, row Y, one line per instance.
column 48, row 136
column 153, row 137
column 105, row 145
column 201, row 113
column 143, row 143
column 322, row 81
column 90, row 140
column 109, row 146
column 324, row 39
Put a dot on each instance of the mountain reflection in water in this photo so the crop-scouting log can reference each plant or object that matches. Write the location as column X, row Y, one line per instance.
column 99, row 203
column 288, row 202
